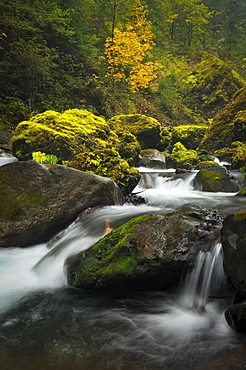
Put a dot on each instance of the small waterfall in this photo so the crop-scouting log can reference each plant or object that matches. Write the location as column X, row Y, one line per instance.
column 205, row 280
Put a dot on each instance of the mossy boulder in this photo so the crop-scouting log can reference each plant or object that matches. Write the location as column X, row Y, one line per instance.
column 188, row 135
column 233, row 236
column 149, row 252
column 223, row 129
column 37, row 200
column 107, row 162
column 211, row 85
column 62, row 134
column 182, row 157
column 215, row 180
column 146, row 129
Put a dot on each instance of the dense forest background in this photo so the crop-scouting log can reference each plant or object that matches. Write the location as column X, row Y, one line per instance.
column 111, row 56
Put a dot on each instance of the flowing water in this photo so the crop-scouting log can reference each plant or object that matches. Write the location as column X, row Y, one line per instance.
column 45, row 324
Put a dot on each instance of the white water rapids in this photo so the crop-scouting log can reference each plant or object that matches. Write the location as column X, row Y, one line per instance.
column 44, row 324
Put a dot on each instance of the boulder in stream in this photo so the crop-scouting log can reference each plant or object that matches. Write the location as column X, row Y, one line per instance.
column 236, row 317
column 149, row 252
column 215, row 178
column 38, row 200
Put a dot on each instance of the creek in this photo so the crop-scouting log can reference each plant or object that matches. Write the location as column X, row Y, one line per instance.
column 45, row 324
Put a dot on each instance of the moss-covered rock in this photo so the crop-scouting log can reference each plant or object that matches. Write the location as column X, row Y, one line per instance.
column 62, row 134
column 108, row 163
column 242, row 192
column 37, row 201
column 215, row 181
column 182, row 157
column 211, row 85
column 149, row 252
column 224, row 127
column 146, row 129
column 205, row 165
column 188, row 135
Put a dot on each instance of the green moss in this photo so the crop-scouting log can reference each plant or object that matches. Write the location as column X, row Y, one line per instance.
column 212, row 181
column 12, row 204
column 62, row 134
column 108, row 163
column 146, row 129
column 204, row 164
column 189, row 135
column 111, row 255
column 239, row 216
column 239, row 154
column 242, row 192
column 182, row 157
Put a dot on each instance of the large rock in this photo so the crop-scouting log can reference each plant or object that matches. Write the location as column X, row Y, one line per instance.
column 182, row 157
column 146, row 129
column 150, row 252
column 215, row 179
column 233, row 236
column 62, row 134
column 188, row 135
column 37, row 200
column 107, row 162
column 236, row 317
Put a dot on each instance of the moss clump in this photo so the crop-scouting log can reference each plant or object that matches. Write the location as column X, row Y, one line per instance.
column 189, row 135
column 182, row 157
column 62, row 134
column 239, row 126
column 239, row 216
column 221, row 132
column 129, row 148
column 146, row 129
column 239, row 154
column 108, row 163
column 166, row 137
column 205, row 164
column 242, row 192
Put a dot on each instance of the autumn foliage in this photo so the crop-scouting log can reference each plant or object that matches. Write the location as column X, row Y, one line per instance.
column 127, row 52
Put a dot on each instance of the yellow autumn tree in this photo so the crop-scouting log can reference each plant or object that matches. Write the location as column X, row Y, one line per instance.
column 127, row 50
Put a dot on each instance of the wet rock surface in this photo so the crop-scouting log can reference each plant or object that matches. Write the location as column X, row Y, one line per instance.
column 37, row 201
column 149, row 252
column 233, row 236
